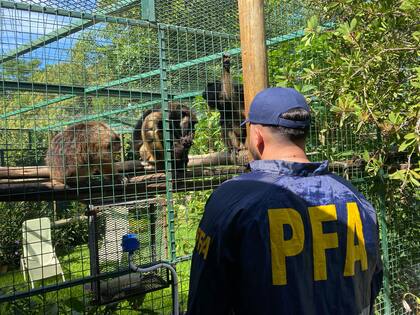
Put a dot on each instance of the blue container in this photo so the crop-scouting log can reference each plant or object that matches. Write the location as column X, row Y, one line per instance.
column 130, row 243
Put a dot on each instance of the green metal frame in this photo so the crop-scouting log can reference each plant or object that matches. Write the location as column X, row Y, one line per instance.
column 74, row 90
column 190, row 63
column 384, row 247
column 381, row 184
column 166, row 140
column 91, row 89
column 115, row 111
column 103, row 18
column 94, row 19
column 148, row 10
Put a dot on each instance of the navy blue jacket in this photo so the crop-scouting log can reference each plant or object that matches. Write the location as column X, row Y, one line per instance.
column 286, row 238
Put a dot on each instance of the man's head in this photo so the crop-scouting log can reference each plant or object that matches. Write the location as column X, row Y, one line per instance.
column 280, row 120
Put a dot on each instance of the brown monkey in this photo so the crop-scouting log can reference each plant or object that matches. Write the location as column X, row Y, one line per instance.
column 228, row 98
column 148, row 136
column 81, row 150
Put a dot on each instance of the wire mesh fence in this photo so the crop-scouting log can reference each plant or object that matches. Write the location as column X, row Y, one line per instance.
column 122, row 101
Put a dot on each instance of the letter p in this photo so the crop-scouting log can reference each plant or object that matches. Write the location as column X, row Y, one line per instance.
column 280, row 247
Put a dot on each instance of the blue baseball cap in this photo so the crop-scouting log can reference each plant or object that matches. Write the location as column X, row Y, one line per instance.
column 269, row 104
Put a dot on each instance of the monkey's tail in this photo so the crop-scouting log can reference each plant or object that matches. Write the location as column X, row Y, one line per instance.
column 137, row 140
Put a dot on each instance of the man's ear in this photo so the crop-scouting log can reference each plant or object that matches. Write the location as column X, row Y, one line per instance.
column 259, row 139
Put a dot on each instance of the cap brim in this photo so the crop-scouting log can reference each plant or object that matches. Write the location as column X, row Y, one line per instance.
column 244, row 122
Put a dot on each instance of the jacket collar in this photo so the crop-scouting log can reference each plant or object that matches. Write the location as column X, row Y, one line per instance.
column 289, row 168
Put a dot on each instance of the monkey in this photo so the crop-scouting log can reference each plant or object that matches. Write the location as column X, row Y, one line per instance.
column 148, row 137
column 228, row 98
column 81, row 150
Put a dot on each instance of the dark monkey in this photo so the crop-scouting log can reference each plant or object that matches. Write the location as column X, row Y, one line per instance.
column 148, row 136
column 228, row 98
column 81, row 150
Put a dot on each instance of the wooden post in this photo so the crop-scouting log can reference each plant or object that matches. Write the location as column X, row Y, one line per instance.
column 254, row 55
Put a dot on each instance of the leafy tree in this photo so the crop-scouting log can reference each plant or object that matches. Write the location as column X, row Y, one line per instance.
column 19, row 69
column 365, row 71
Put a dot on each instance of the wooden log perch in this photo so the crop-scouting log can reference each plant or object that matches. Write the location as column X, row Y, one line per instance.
column 44, row 171
column 204, row 172
column 102, row 194
column 216, row 158
column 103, row 191
column 25, row 172
column 136, row 167
column 7, row 181
column 63, row 222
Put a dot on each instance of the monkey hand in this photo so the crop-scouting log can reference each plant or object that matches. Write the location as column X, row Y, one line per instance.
column 226, row 62
column 186, row 141
column 124, row 181
column 118, row 179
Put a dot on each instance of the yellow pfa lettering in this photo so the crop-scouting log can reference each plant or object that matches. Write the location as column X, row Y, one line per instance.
column 281, row 248
column 321, row 240
column 354, row 231
column 202, row 243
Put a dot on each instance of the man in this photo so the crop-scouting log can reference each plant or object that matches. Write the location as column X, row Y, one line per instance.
column 289, row 237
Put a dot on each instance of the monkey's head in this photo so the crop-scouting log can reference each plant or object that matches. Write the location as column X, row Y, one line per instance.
column 111, row 149
column 183, row 119
column 115, row 143
column 188, row 122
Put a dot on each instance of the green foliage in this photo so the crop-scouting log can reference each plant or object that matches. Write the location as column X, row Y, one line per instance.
column 12, row 216
column 366, row 74
column 126, row 55
column 26, row 306
column 208, row 136
column 19, row 69
column 189, row 208
column 73, row 233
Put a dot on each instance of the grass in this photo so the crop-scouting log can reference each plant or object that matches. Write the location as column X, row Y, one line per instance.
column 75, row 265
column 77, row 298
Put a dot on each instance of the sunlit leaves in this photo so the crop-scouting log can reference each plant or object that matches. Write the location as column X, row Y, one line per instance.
column 410, row 5
column 346, row 30
column 409, row 140
column 409, row 175
column 365, row 73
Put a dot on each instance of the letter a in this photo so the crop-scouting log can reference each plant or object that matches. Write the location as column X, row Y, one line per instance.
column 354, row 229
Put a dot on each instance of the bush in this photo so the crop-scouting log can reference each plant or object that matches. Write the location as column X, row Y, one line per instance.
column 207, row 137
column 12, row 215
column 365, row 72
column 73, row 233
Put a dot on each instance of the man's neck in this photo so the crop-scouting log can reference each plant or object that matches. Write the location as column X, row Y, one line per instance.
column 286, row 153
